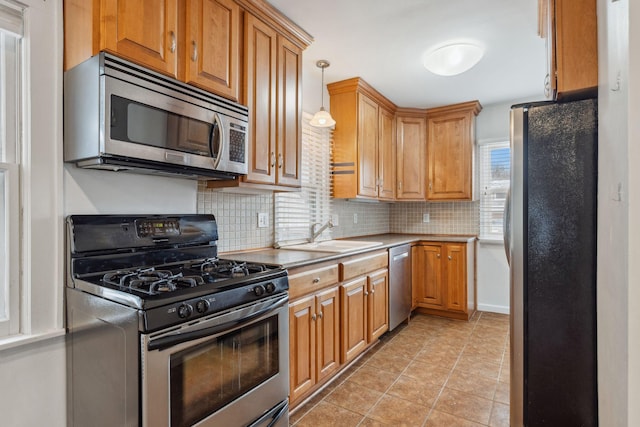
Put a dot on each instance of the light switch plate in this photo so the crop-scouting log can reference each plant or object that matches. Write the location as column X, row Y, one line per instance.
column 263, row 219
column 425, row 217
column 335, row 219
column 355, row 218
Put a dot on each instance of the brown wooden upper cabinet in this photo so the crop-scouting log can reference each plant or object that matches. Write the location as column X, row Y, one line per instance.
column 364, row 141
column 570, row 27
column 450, row 151
column 411, row 154
column 272, row 89
column 196, row 41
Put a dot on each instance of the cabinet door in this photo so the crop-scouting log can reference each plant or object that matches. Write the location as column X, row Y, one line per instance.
column 367, row 146
column 449, row 154
column 431, row 292
column 289, row 113
column 575, row 46
column 417, row 275
column 260, row 90
column 302, row 350
column 145, row 31
column 456, row 277
column 212, row 49
column 410, row 172
column 328, row 332
column 386, row 155
column 378, row 304
column 353, row 298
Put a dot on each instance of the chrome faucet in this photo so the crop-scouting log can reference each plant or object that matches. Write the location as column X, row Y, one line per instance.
column 315, row 233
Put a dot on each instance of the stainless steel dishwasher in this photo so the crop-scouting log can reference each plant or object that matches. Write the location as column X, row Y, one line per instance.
column 399, row 284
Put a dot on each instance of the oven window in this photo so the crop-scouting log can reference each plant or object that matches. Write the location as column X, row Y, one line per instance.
column 206, row 377
column 136, row 122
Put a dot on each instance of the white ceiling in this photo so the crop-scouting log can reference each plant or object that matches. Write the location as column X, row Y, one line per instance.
column 383, row 42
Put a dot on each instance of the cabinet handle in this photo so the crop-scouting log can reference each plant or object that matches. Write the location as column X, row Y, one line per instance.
column 373, row 291
column 280, row 160
column 430, row 187
column 449, row 257
column 366, row 293
column 194, row 53
column 320, row 315
column 313, row 317
column 400, row 185
column 173, row 44
column 273, row 159
column 316, row 280
column 437, row 255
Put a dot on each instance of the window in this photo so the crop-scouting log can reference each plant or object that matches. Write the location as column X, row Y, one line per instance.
column 10, row 122
column 495, row 172
column 295, row 212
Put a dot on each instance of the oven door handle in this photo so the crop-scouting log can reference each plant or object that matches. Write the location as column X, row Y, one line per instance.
column 180, row 337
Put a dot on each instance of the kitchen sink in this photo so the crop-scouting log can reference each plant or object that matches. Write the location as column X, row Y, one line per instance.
column 337, row 246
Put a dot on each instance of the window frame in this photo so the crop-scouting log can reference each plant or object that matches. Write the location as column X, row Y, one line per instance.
column 486, row 212
column 40, row 221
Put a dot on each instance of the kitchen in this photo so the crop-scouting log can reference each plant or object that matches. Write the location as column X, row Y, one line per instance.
column 35, row 372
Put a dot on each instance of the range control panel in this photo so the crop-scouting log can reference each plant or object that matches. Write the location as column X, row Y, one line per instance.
column 160, row 227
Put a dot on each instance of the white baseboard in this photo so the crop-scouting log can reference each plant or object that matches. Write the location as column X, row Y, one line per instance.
column 502, row 309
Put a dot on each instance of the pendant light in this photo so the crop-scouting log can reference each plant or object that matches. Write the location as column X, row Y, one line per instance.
column 322, row 119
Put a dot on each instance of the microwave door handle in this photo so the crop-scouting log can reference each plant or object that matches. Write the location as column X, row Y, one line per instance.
column 221, row 149
column 180, row 337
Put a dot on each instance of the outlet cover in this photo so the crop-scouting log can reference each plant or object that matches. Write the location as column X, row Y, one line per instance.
column 335, row 219
column 425, row 217
column 355, row 218
column 263, row 219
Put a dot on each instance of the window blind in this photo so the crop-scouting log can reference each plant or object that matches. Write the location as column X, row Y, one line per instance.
column 495, row 171
column 296, row 212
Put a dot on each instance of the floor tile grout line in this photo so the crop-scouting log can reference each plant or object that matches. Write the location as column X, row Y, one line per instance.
column 451, row 372
column 426, row 344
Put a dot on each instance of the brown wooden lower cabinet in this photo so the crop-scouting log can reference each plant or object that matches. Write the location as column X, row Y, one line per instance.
column 444, row 279
column 314, row 340
column 334, row 317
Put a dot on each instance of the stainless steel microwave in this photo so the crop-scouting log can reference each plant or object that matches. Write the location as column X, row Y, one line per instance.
column 123, row 117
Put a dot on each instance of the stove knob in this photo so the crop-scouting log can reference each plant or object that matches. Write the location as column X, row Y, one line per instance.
column 270, row 287
column 184, row 310
column 258, row 290
column 202, row 306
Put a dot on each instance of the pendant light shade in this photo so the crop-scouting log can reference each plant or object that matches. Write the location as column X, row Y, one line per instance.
column 322, row 119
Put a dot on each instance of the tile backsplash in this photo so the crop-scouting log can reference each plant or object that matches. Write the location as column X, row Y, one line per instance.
column 237, row 216
column 444, row 218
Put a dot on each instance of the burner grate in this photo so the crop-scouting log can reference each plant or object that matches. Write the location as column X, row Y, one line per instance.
column 151, row 281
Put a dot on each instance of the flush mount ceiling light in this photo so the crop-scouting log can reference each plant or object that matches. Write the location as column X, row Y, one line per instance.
column 453, row 59
column 322, row 119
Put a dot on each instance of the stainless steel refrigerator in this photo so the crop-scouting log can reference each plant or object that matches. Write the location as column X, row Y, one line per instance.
column 550, row 239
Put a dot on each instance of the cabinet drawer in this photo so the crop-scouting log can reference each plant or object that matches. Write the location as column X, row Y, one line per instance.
column 307, row 281
column 362, row 265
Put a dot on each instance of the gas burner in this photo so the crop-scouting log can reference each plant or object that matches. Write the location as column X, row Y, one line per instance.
column 151, row 281
column 223, row 268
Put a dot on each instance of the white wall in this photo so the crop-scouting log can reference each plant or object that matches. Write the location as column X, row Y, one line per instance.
column 492, row 124
column 104, row 192
column 618, row 210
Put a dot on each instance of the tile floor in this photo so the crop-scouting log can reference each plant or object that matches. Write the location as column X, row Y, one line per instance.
column 431, row 372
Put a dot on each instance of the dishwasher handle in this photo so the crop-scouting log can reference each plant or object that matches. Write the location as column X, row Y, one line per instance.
column 400, row 256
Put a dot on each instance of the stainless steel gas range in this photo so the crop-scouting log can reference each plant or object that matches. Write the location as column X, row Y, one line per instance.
column 161, row 332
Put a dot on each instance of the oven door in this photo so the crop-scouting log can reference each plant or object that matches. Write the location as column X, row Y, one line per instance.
column 229, row 369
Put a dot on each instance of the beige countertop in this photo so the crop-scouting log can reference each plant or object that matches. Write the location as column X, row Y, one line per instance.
column 294, row 258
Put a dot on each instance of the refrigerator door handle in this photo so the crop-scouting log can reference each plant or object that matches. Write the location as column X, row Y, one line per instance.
column 506, row 227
